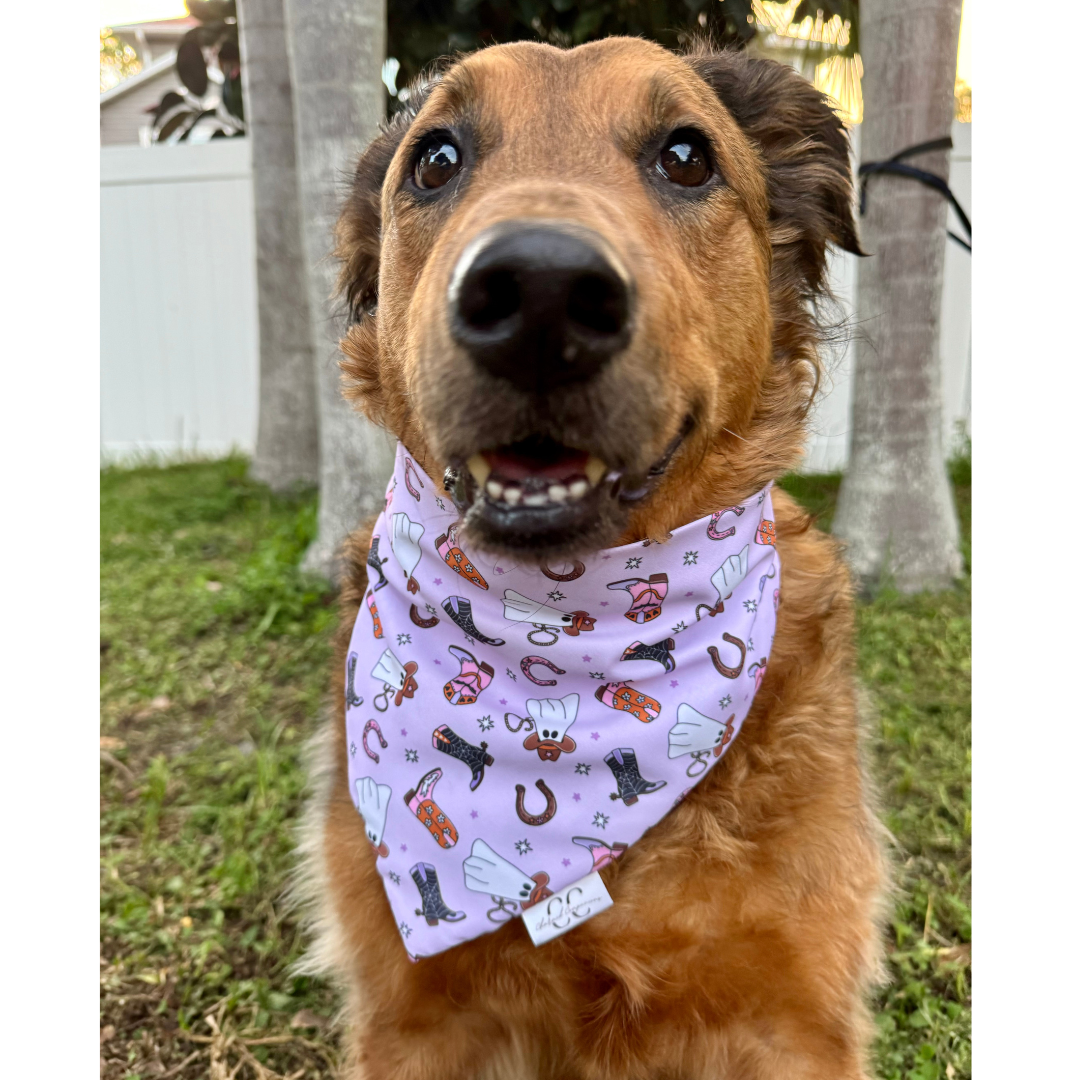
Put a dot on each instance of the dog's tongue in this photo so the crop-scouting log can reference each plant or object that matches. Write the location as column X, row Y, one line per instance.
column 552, row 465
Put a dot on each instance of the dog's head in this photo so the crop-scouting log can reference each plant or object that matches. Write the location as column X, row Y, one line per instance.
column 582, row 282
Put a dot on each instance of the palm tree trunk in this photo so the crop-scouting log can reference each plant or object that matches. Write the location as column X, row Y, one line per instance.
column 336, row 52
column 287, row 447
column 896, row 509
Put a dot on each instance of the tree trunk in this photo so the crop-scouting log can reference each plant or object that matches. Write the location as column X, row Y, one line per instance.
column 335, row 55
column 287, row 447
column 896, row 508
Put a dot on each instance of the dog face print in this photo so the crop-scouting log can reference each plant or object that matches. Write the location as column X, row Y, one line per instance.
column 694, row 732
column 553, row 718
column 544, row 618
column 405, row 543
column 372, row 800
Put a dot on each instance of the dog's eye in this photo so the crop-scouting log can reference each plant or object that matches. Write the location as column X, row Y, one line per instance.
column 684, row 161
column 437, row 164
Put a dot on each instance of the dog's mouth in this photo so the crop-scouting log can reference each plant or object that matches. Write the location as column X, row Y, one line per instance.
column 541, row 495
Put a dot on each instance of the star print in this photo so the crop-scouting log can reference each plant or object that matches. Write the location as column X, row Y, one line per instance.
column 431, row 610
column 404, row 732
column 439, row 503
column 749, row 644
column 690, row 593
column 395, row 878
column 511, row 674
column 566, row 862
column 405, row 929
column 473, row 814
column 595, row 735
column 404, row 847
column 586, row 657
column 606, row 556
column 411, row 755
column 486, row 723
column 502, row 701
column 678, row 627
column 469, row 640
column 556, row 596
column 750, row 605
column 674, row 682
column 761, row 498
column 438, row 580
column 523, row 847
column 439, row 662
column 689, row 558
column 352, row 749
column 582, row 769
column 725, row 701
column 577, row 797
column 596, row 674
column 404, row 639
column 600, row 820
column 633, row 563
column 499, row 570
column 603, row 603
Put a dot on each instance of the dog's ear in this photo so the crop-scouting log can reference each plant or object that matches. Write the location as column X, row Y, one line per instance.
column 359, row 227
column 806, row 154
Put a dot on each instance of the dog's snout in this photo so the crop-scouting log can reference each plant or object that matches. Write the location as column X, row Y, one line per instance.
column 540, row 306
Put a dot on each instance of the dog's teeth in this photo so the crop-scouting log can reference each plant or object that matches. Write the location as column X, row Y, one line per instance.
column 578, row 488
column 480, row 469
column 512, row 495
column 538, row 499
column 594, row 470
column 494, row 489
column 557, row 493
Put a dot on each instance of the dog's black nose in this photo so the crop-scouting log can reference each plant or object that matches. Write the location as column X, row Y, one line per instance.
column 539, row 305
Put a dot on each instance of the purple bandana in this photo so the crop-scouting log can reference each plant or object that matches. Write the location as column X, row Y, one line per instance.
column 513, row 729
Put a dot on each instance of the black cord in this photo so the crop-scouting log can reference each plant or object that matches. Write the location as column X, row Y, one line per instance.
column 895, row 167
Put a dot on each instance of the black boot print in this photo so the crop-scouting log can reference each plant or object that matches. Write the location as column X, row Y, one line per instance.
column 434, row 909
column 376, row 564
column 351, row 697
column 476, row 757
column 624, row 766
column 660, row 652
column 460, row 611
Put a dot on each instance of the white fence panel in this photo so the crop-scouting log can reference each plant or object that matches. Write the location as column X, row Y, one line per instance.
column 179, row 317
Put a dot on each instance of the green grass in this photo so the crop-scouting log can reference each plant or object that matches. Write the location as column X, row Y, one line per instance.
column 214, row 663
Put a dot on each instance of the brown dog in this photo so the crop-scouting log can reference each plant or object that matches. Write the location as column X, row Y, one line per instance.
column 696, row 195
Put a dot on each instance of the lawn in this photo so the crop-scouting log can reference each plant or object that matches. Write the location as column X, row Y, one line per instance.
column 214, row 658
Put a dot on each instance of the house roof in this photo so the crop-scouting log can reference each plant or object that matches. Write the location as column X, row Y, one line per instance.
column 162, row 64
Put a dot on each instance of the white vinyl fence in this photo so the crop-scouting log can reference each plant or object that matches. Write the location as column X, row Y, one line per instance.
column 179, row 321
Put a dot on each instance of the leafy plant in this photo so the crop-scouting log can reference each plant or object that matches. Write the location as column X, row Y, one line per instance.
column 208, row 64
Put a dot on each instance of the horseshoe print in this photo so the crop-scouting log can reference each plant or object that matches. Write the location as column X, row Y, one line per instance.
column 352, row 700
column 714, row 531
column 549, row 809
column 729, row 672
column 579, row 569
column 410, row 467
column 527, row 663
column 424, row 624
column 373, row 725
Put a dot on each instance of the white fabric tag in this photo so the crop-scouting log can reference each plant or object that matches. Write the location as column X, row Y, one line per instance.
column 566, row 909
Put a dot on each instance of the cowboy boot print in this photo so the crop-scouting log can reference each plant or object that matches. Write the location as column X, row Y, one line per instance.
column 376, row 564
column 646, row 597
column 465, row 687
column 603, row 854
column 660, row 652
column 624, row 767
column 456, row 559
column 434, row 907
column 376, row 621
column 427, row 811
column 622, row 698
column 352, row 698
column 475, row 757
column 460, row 611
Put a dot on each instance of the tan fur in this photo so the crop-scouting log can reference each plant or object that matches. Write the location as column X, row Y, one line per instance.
column 743, row 935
